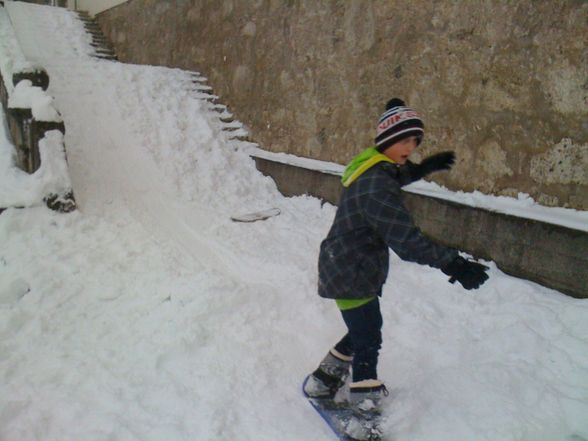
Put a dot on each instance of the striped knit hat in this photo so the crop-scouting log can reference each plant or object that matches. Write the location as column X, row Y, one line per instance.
column 396, row 123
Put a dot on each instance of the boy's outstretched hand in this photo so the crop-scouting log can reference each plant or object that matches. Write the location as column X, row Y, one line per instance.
column 470, row 274
column 433, row 163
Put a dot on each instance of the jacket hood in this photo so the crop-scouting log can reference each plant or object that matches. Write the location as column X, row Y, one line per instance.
column 362, row 163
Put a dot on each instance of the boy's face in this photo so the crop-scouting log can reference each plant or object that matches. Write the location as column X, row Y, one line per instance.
column 400, row 151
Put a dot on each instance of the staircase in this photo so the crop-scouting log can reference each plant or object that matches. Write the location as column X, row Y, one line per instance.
column 100, row 44
column 229, row 125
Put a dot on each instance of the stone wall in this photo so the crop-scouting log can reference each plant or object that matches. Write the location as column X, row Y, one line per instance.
column 503, row 83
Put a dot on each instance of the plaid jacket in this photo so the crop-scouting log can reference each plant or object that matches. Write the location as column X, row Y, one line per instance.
column 354, row 257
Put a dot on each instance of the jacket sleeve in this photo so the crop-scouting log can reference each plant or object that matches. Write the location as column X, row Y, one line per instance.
column 407, row 173
column 385, row 212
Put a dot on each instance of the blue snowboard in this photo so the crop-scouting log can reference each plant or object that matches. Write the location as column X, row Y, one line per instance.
column 343, row 421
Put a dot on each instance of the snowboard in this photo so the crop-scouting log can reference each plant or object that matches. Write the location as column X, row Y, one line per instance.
column 256, row 216
column 344, row 422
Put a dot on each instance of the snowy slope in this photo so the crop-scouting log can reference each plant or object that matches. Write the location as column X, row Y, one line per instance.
column 149, row 315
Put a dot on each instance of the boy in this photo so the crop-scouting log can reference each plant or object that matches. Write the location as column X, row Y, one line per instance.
column 354, row 260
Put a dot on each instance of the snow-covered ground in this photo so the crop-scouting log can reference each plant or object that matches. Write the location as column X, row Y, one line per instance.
column 149, row 315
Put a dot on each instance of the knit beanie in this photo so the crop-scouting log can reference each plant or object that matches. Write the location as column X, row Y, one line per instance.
column 396, row 123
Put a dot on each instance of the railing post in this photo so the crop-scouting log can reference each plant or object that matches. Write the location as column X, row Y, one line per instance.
column 19, row 125
column 30, row 131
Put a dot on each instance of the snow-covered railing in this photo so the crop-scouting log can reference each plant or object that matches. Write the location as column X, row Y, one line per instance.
column 30, row 113
column 31, row 117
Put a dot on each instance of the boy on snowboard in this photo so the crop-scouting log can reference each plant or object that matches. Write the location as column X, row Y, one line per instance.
column 353, row 261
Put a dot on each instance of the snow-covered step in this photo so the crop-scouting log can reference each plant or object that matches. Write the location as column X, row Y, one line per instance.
column 103, row 49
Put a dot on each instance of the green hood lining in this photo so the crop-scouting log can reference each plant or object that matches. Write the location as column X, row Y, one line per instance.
column 362, row 163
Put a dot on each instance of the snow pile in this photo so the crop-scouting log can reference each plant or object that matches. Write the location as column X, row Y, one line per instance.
column 27, row 96
column 12, row 59
column 149, row 315
column 523, row 206
column 58, row 26
column 20, row 189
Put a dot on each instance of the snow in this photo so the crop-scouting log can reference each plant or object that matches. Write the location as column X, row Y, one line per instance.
column 289, row 159
column 26, row 96
column 12, row 59
column 522, row 206
column 19, row 189
column 149, row 315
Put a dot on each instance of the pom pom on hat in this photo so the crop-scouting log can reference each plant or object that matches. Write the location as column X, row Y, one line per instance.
column 397, row 123
column 395, row 102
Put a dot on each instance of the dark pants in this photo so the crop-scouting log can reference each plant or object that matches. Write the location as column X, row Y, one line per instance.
column 363, row 339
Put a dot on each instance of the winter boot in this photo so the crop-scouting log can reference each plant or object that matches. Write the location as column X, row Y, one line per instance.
column 366, row 397
column 329, row 377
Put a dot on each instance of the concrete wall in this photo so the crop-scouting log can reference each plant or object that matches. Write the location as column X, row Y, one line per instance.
column 503, row 83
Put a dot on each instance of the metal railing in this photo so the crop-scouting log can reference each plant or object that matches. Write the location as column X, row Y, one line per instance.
column 60, row 3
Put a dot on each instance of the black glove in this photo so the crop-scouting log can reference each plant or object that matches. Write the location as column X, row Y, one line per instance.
column 433, row 163
column 470, row 274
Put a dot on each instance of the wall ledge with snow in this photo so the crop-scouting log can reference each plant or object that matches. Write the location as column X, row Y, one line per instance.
column 542, row 244
column 34, row 142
